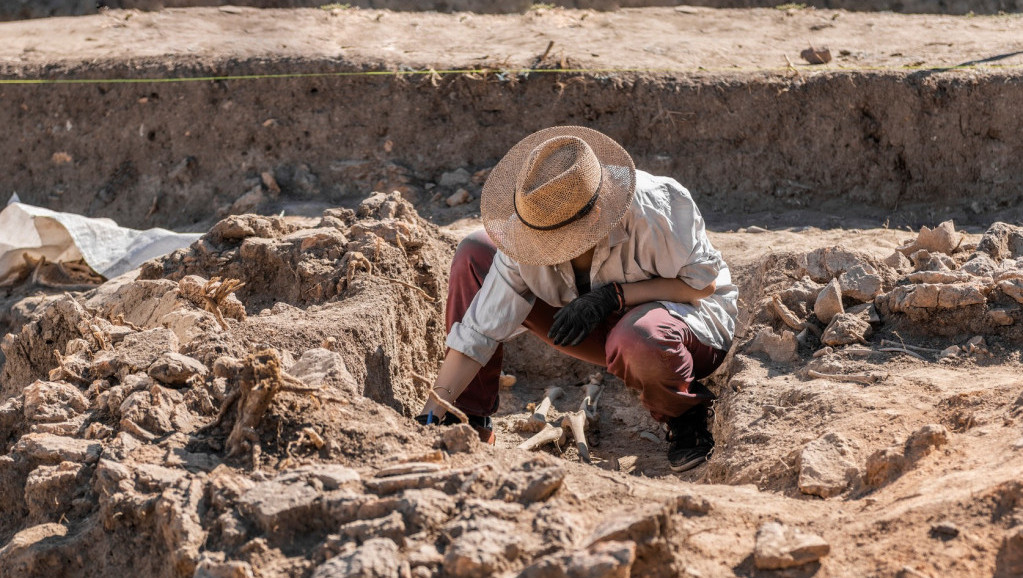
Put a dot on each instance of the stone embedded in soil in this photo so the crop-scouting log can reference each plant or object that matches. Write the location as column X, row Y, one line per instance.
column 886, row 464
column 829, row 302
column 273, row 504
column 377, row 558
column 53, row 449
column 779, row 347
column 861, row 283
column 455, row 178
column 460, row 438
column 318, row 367
column 18, row 557
column 135, row 353
column 924, row 260
column 1002, row 241
column 173, row 368
column 1012, row 288
column 823, row 265
column 483, row 551
column 906, row 298
column 534, row 480
column 899, row 262
column 47, row 401
column 779, row 547
column 50, row 489
column 846, row 329
column 1000, row 316
column 208, row 568
column 941, row 239
column 604, row 560
column 827, row 466
column 651, row 523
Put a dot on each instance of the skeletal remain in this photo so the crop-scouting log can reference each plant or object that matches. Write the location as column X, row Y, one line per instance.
column 507, row 380
column 786, row 315
column 549, row 395
column 548, row 434
column 903, row 350
column 864, row 378
column 576, row 421
column 409, row 468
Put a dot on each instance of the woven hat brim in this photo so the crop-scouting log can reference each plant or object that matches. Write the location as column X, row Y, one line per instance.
column 542, row 248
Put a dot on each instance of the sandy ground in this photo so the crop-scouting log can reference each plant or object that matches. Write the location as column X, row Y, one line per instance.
column 656, row 39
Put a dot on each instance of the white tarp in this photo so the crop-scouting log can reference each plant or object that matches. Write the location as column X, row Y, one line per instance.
column 104, row 245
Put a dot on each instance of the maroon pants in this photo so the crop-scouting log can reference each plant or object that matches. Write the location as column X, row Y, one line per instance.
column 648, row 348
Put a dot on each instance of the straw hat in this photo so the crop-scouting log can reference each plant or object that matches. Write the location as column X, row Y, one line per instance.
column 556, row 194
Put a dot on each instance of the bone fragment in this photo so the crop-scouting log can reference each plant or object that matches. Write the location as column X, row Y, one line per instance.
column 548, row 434
column 409, row 468
column 507, row 380
column 591, row 395
column 576, row 421
column 918, row 349
column 549, row 395
column 903, row 350
column 786, row 315
column 447, row 406
column 864, row 378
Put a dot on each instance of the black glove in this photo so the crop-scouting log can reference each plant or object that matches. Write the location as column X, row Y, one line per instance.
column 573, row 322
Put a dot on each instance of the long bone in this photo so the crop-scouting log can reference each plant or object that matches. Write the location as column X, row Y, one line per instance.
column 549, row 395
column 576, row 421
column 548, row 434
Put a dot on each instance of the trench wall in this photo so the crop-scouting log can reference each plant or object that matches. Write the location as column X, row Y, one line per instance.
column 22, row 9
column 944, row 143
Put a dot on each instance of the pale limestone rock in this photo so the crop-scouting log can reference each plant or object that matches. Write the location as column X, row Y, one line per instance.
column 941, row 239
column 826, row 466
column 779, row 547
column 861, row 283
column 49, row 401
column 845, row 329
column 829, row 302
column 781, row 348
column 173, row 368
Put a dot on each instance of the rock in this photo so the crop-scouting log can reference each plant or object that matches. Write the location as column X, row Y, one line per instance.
column 941, row 239
column 861, row 283
column 273, row 504
column 53, row 449
column 925, row 439
column 50, row 489
column 780, row 547
column 1000, row 316
column 604, row 560
column 829, row 302
column 459, row 197
column 866, row 312
column 899, row 262
column 48, row 401
column 651, row 523
column 1012, row 288
column 456, row 178
column 321, row 367
column 173, row 368
column 485, row 551
column 816, row 55
column 801, row 295
column 949, row 352
column 823, row 265
column 135, row 353
column 18, row 557
column 924, row 260
column 905, row 298
column 1002, row 241
column 980, row 265
column 391, row 526
column 377, row 558
column 780, row 348
column 534, row 480
column 460, row 438
column 939, row 277
column 845, row 329
column 827, row 466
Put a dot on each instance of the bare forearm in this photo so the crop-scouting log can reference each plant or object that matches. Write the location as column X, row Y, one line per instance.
column 456, row 372
column 661, row 289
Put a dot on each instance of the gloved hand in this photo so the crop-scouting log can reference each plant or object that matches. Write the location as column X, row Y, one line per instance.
column 573, row 322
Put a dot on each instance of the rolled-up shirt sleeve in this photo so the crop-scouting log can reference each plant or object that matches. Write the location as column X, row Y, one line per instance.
column 498, row 310
column 678, row 235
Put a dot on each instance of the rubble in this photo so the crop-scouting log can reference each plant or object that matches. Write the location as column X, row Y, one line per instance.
column 826, row 466
column 779, row 547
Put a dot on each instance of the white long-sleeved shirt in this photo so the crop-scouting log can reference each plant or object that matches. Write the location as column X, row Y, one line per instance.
column 661, row 235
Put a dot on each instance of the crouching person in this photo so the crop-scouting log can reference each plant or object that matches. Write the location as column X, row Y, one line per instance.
column 603, row 262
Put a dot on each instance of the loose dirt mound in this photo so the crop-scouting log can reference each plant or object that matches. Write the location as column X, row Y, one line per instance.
column 176, row 424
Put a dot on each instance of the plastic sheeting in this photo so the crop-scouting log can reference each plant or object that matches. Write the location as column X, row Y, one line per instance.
column 59, row 237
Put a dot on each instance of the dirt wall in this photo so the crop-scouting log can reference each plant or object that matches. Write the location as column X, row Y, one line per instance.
column 22, row 9
column 921, row 145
